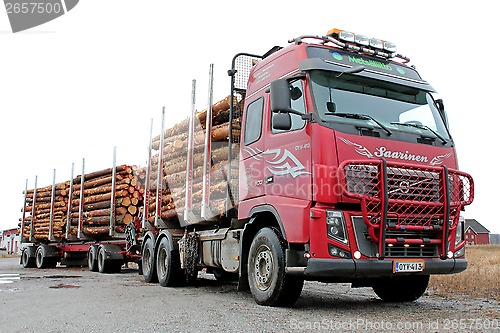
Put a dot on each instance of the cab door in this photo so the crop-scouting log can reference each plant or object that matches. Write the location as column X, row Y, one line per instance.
column 287, row 153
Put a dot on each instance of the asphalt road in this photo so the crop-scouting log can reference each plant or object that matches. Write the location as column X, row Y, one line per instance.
column 76, row 300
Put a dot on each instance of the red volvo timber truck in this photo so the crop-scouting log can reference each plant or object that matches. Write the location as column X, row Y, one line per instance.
column 340, row 167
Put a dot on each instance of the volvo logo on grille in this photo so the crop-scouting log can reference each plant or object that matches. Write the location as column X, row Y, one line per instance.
column 404, row 187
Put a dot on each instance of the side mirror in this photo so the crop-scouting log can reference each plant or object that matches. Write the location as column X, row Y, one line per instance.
column 442, row 112
column 282, row 121
column 280, row 96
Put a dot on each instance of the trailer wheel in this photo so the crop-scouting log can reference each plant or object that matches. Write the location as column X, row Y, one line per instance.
column 107, row 265
column 26, row 260
column 42, row 260
column 266, row 271
column 168, row 266
column 402, row 288
column 148, row 261
column 92, row 259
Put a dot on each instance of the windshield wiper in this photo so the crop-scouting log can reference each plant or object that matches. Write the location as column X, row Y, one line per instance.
column 443, row 140
column 360, row 116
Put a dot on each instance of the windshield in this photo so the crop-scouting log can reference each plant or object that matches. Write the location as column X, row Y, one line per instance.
column 381, row 104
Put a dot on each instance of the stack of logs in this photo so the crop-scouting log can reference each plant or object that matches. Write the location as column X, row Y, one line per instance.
column 43, row 204
column 95, row 210
column 174, row 164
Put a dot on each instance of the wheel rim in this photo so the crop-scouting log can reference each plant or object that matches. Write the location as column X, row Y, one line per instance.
column 162, row 262
column 263, row 267
column 25, row 257
column 100, row 259
column 147, row 261
column 39, row 258
column 91, row 259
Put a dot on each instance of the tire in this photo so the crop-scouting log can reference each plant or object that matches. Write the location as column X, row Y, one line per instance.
column 266, row 271
column 168, row 266
column 26, row 260
column 402, row 288
column 92, row 259
column 106, row 265
column 41, row 259
column 148, row 262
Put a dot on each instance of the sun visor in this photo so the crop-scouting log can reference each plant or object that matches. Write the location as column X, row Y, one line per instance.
column 372, row 70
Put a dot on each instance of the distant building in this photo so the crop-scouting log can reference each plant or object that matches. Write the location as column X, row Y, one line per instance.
column 494, row 238
column 10, row 240
column 476, row 233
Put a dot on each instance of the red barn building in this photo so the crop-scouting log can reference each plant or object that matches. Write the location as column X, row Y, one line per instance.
column 10, row 240
column 476, row 233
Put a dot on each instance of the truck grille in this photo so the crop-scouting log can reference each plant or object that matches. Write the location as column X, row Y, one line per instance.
column 408, row 199
column 401, row 251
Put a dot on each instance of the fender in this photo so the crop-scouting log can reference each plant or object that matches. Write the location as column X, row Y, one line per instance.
column 168, row 235
column 112, row 251
column 149, row 234
column 266, row 209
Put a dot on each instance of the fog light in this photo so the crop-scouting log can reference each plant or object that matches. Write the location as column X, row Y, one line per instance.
column 338, row 252
column 450, row 254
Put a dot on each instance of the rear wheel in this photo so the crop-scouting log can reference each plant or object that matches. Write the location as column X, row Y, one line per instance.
column 26, row 260
column 401, row 288
column 92, row 259
column 107, row 265
column 42, row 260
column 148, row 261
column 168, row 266
column 269, row 283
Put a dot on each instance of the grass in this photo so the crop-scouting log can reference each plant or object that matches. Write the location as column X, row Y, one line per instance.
column 481, row 278
column 5, row 255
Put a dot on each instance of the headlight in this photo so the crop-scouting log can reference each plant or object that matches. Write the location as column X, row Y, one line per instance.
column 335, row 226
column 459, row 234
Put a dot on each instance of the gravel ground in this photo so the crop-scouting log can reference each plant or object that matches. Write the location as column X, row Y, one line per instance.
column 76, row 300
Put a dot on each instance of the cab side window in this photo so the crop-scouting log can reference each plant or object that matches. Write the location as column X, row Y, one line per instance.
column 298, row 104
column 253, row 123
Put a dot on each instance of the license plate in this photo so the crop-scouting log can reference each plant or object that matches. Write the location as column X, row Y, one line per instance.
column 407, row 266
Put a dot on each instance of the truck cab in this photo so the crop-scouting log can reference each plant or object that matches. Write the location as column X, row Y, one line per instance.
column 348, row 171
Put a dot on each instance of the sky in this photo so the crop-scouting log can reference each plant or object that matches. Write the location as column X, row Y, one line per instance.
column 94, row 78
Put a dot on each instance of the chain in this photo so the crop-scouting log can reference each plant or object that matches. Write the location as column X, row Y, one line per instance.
column 191, row 250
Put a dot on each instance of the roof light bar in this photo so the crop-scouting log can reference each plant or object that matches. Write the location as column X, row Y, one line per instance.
column 362, row 42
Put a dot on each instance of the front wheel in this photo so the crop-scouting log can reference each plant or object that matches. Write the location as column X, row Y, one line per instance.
column 401, row 288
column 269, row 283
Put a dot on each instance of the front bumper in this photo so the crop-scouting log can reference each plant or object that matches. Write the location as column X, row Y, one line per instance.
column 376, row 268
